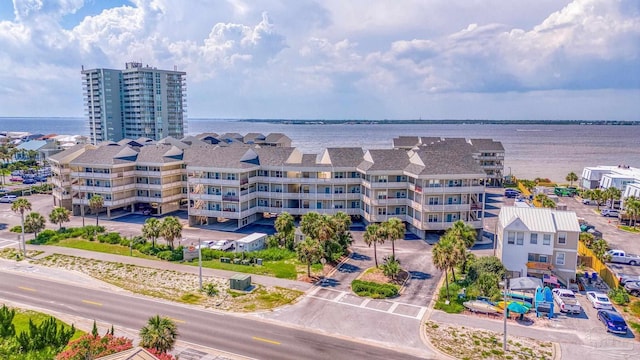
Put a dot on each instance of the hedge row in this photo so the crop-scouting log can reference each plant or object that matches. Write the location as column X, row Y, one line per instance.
column 53, row 236
column 374, row 290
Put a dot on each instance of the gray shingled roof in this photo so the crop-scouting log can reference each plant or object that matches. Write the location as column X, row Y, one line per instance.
column 229, row 157
column 64, row 153
column 156, row 154
column 346, row 156
column 405, row 141
column 103, row 155
column 272, row 156
column 385, row 160
column 450, row 161
column 253, row 137
column 487, row 145
column 275, row 138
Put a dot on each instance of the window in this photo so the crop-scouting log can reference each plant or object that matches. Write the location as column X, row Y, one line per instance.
column 546, row 239
column 434, row 200
column 542, row 258
column 382, row 211
column 433, row 218
column 511, row 237
column 533, row 239
column 560, row 258
column 562, row 238
column 520, row 238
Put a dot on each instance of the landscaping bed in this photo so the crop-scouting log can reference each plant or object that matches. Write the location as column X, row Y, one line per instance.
column 473, row 344
column 375, row 284
column 173, row 285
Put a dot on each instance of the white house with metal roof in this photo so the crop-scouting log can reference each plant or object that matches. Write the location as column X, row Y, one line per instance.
column 538, row 241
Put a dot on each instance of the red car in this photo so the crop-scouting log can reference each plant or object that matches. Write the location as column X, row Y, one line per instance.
column 16, row 178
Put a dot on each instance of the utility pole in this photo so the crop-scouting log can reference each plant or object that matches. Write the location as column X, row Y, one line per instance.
column 200, row 261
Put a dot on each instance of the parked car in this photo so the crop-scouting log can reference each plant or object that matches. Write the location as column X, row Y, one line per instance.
column 223, row 245
column 8, row 199
column 633, row 287
column 567, row 301
column 599, row 300
column 622, row 257
column 624, row 278
column 16, row 178
column 610, row 212
column 613, row 321
column 588, row 202
column 29, row 181
column 40, row 178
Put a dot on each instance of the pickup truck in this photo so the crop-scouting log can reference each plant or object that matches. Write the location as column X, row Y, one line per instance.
column 620, row 256
column 567, row 301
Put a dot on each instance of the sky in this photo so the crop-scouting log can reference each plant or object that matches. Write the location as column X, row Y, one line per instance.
column 335, row 59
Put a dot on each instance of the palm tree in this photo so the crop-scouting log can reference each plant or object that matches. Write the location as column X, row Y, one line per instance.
column 152, row 229
column 548, row 203
column 96, row 203
column 171, row 229
column 309, row 252
column 20, row 206
column 342, row 223
column 286, row 227
column 308, row 224
column 395, row 230
column 571, row 177
column 465, row 233
column 373, row 236
column 632, row 207
column 612, row 194
column 540, row 198
column 34, row 222
column 159, row 334
column 598, row 196
column 59, row 215
column 443, row 258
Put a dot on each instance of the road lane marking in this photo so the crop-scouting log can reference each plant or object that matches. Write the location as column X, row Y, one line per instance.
column 26, row 288
column 266, row 340
column 177, row 320
column 92, row 302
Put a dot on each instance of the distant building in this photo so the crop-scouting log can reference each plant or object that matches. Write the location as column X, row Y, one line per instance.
column 604, row 177
column 139, row 101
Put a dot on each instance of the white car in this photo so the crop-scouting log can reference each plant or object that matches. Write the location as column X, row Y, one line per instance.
column 8, row 199
column 223, row 245
column 205, row 244
column 599, row 300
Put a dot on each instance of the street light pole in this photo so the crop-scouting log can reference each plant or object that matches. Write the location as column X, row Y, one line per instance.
column 200, row 261
column 504, row 339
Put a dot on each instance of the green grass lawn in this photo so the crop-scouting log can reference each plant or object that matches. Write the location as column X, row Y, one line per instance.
column 629, row 228
column 101, row 247
column 21, row 321
column 279, row 269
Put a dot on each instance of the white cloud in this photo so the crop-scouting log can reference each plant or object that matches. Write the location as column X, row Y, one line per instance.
column 363, row 56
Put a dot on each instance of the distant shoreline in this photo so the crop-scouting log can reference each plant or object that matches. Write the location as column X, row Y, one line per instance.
column 444, row 122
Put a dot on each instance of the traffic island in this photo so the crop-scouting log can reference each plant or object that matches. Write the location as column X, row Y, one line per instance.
column 375, row 284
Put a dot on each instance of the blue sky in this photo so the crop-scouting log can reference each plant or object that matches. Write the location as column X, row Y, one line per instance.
column 335, row 59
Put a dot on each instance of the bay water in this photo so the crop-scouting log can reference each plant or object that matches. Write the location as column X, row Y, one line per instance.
column 546, row 151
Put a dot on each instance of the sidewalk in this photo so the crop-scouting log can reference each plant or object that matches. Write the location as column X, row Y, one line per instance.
column 166, row 265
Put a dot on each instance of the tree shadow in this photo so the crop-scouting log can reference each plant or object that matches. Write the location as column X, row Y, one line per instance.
column 419, row 275
column 360, row 257
column 348, row 268
column 328, row 283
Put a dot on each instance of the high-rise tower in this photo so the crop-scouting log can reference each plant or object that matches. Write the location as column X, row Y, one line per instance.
column 139, row 101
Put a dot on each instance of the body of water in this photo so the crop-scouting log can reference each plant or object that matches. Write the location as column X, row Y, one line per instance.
column 531, row 150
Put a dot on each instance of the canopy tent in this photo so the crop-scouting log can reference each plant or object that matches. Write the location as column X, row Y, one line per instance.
column 524, row 284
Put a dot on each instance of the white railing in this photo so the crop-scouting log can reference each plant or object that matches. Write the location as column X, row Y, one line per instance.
column 447, row 207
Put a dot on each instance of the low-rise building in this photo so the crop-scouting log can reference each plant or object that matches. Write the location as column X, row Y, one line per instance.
column 429, row 187
column 538, row 241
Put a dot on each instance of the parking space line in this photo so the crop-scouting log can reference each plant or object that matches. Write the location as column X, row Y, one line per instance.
column 393, row 307
column 339, row 297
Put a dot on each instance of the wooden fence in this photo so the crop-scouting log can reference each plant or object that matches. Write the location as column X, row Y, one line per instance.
column 601, row 268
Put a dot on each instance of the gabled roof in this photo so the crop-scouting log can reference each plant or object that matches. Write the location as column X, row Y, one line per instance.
column 453, row 160
column 341, row 157
column 275, row 138
column 136, row 353
column 70, row 153
column 192, row 140
column 253, row 138
column 487, row 145
column 229, row 157
column 384, row 160
column 539, row 219
column 172, row 141
column 106, row 155
column 405, row 141
column 159, row 154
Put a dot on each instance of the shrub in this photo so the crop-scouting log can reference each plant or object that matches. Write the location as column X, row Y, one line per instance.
column 170, row 255
column 16, row 229
column 210, row 289
column 485, row 264
column 374, row 290
column 92, row 347
column 45, row 237
column 110, row 238
column 619, row 296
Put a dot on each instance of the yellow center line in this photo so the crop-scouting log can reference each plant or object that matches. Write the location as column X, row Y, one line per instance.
column 92, row 302
column 26, row 288
column 177, row 320
column 266, row 340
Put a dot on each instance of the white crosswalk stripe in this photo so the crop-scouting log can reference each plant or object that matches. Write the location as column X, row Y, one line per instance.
column 4, row 243
column 348, row 299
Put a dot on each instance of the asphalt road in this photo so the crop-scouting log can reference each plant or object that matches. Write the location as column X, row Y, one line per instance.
column 235, row 334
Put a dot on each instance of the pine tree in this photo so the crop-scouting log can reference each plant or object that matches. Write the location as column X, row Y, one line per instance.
column 94, row 330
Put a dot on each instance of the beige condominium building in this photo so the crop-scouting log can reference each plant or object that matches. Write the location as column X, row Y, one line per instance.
column 237, row 180
column 538, row 241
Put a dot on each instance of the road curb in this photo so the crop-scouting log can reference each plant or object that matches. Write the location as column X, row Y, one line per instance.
column 423, row 324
